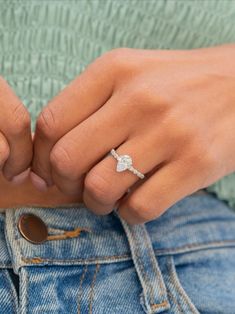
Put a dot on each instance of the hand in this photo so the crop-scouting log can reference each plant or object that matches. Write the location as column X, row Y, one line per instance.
column 16, row 147
column 173, row 112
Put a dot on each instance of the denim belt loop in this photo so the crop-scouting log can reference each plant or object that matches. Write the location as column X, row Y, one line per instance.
column 154, row 295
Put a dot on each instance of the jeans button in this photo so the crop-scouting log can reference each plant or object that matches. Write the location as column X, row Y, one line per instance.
column 32, row 228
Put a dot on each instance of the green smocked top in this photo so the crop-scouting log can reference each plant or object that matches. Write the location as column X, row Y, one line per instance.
column 44, row 44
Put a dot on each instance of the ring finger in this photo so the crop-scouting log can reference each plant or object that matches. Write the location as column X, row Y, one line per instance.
column 104, row 186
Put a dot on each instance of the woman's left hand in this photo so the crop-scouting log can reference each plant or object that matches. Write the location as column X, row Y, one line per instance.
column 172, row 111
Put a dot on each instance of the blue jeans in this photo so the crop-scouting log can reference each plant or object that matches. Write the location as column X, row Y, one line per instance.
column 183, row 262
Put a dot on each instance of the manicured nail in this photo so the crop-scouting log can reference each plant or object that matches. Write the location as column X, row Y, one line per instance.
column 38, row 182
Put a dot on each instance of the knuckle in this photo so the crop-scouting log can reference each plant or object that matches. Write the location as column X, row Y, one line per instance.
column 20, row 120
column 98, row 188
column 133, row 103
column 46, row 123
column 139, row 210
column 61, row 161
column 138, row 95
column 118, row 58
column 179, row 132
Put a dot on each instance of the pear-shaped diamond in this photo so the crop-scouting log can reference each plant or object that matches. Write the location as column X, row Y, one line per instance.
column 124, row 163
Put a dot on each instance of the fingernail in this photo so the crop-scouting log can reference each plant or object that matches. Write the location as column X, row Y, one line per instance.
column 38, row 182
column 20, row 178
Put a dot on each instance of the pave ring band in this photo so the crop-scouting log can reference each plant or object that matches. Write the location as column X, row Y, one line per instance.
column 124, row 163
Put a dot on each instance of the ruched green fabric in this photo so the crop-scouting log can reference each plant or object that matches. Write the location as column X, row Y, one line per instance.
column 45, row 44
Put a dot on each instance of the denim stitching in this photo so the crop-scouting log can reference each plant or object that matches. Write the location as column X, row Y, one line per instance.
column 155, row 269
column 196, row 246
column 175, row 301
column 129, row 235
column 157, row 305
column 11, row 292
column 80, row 286
column 157, row 273
column 15, row 235
column 26, row 294
column 37, row 260
column 118, row 258
column 33, row 260
column 92, row 287
column 67, row 234
column 174, row 279
column 146, row 279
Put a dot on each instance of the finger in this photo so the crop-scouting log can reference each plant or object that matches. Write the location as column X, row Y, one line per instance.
column 104, row 186
column 84, row 146
column 164, row 188
column 15, row 126
column 82, row 97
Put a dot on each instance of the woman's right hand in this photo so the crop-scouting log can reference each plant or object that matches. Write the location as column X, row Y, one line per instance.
column 16, row 146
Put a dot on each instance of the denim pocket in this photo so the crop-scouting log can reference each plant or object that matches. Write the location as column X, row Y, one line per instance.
column 180, row 302
column 100, row 288
column 203, row 281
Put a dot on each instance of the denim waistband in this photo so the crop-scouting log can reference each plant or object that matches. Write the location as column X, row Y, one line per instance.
column 195, row 221
column 77, row 236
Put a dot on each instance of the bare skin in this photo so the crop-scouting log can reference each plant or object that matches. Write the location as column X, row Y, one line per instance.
column 172, row 111
column 27, row 194
column 16, row 152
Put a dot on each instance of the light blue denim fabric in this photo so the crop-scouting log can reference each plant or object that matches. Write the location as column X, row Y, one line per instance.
column 183, row 262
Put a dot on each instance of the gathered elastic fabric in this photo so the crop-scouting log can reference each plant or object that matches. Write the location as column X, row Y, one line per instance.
column 46, row 45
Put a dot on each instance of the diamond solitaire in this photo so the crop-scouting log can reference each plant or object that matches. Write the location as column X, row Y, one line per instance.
column 124, row 163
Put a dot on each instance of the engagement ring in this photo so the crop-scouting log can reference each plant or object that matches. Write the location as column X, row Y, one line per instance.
column 125, row 163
